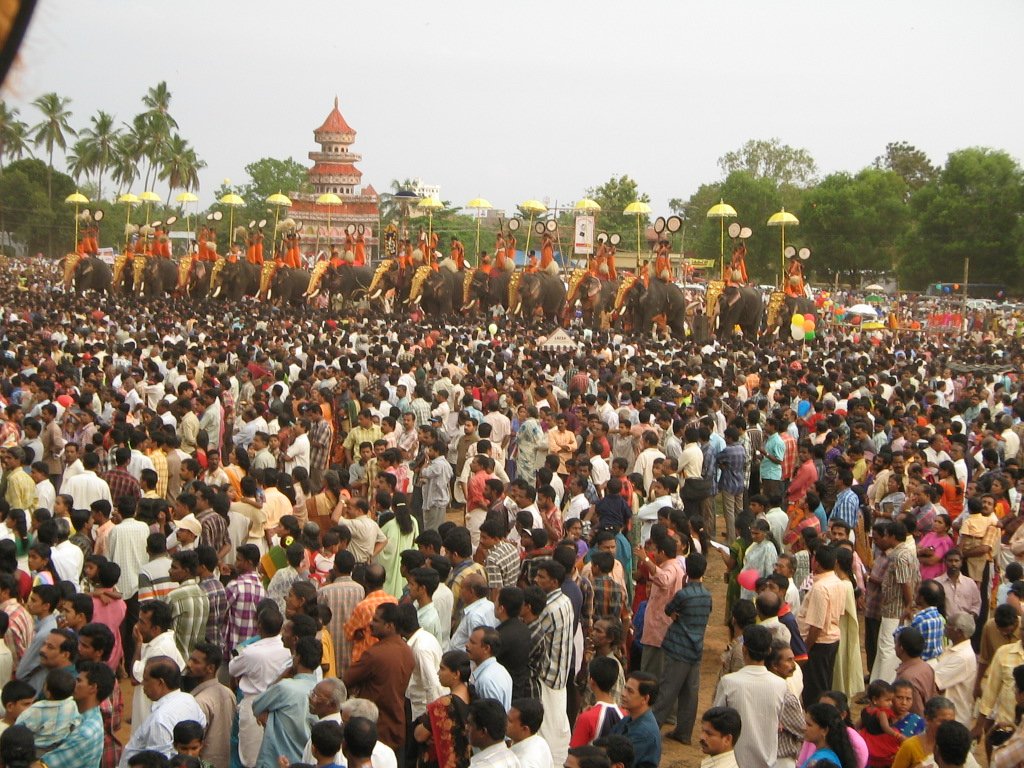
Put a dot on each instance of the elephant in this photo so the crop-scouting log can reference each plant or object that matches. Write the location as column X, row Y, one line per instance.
column 487, row 291
column 390, row 276
column 289, row 286
column 159, row 277
column 740, row 305
column 236, row 279
column 541, row 293
column 347, row 281
column 644, row 304
column 595, row 296
column 92, row 274
column 194, row 277
column 441, row 293
column 789, row 306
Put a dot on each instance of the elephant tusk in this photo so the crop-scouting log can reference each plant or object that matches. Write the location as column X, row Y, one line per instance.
column 375, row 294
column 416, row 301
column 518, row 307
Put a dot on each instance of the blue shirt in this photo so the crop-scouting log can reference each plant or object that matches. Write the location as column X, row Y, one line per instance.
column 847, row 508
column 83, row 746
column 932, row 626
column 30, row 668
column 773, row 446
column 490, row 680
column 645, row 737
column 684, row 639
column 287, row 730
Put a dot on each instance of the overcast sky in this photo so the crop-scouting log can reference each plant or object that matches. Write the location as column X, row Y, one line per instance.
column 528, row 99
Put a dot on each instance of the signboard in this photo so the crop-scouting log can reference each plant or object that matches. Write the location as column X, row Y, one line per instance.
column 584, row 239
column 700, row 263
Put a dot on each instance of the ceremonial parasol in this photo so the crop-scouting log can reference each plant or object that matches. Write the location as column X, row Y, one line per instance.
column 532, row 207
column 405, row 198
column 77, row 199
column 721, row 211
column 328, row 199
column 185, row 198
column 588, row 205
column 430, row 204
column 234, row 201
column 861, row 309
column 128, row 199
column 873, row 287
column 782, row 219
column 279, row 201
column 149, row 197
column 478, row 204
column 637, row 208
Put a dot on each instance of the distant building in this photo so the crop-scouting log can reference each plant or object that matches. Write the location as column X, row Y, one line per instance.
column 425, row 190
column 334, row 171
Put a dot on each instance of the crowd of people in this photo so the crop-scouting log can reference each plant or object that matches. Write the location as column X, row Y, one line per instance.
column 278, row 538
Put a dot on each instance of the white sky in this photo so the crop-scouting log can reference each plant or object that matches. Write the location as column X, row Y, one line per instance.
column 517, row 100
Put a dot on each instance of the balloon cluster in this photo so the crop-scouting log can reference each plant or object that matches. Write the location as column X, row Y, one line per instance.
column 802, row 328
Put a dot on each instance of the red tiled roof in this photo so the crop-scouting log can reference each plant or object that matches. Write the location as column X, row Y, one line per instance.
column 334, row 168
column 368, row 190
column 335, row 123
column 337, row 211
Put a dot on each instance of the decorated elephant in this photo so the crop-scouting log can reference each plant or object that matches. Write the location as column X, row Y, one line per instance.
column 657, row 303
column 442, row 290
column 193, row 277
column 595, row 297
column 348, row 282
column 159, row 277
column 233, row 280
column 540, row 293
column 91, row 273
column 785, row 307
column 288, row 286
column 487, row 291
column 390, row 277
column 739, row 305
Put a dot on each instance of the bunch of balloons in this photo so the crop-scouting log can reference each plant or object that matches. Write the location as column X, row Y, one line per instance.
column 802, row 327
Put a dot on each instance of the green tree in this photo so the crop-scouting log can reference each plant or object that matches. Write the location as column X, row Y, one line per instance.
column 125, row 162
column 269, row 175
column 31, row 218
column 771, row 159
column 853, row 223
column 972, row 209
column 613, row 196
column 53, row 130
column 755, row 198
column 77, row 161
column 179, row 166
column 393, row 208
column 97, row 146
column 912, row 165
column 14, row 141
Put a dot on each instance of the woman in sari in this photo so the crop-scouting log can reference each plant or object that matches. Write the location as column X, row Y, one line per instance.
column 301, row 486
column 320, row 507
column 895, row 497
column 848, row 674
column 734, row 560
column 933, row 546
column 761, row 554
column 401, row 530
column 441, row 732
column 237, row 468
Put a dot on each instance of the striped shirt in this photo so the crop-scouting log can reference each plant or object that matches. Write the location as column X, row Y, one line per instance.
column 190, row 609
column 690, row 609
column 357, row 628
column 341, row 597
column 216, row 621
column 552, row 638
column 609, row 597
column 20, row 630
column 502, row 565
column 126, row 546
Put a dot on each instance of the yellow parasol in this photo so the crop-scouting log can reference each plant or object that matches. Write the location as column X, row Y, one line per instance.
column 532, row 207
column 430, row 204
column 77, row 198
column 149, row 197
column 587, row 205
column 478, row 204
column 185, row 198
column 328, row 199
column 722, row 211
column 279, row 201
column 639, row 209
column 233, row 201
column 128, row 199
column 782, row 219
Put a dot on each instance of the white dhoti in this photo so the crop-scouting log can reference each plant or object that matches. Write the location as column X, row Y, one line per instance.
column 555, row 728
column 250, row 733
column 474, row 519
column 886, row 662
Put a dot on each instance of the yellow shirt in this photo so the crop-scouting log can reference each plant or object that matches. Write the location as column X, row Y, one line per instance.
column 997, row 698
column 21, row 491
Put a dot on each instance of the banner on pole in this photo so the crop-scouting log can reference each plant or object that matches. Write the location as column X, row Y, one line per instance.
column 584, row 240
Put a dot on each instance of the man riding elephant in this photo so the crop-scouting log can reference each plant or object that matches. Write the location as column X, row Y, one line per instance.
column 488, row 290
column 739, row 305
column 595, row 297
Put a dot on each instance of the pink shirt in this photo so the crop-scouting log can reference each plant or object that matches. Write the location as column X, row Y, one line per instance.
column 860, row 749
column 111, row 614
column 665, row 582
column 942, row 545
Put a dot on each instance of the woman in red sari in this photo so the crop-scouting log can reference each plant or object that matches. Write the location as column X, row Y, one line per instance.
column 441, row 731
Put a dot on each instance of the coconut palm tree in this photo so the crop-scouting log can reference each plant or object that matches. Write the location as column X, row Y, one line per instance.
column 78, row 161
column 158, row 103
column 124, row 167
column 393, row 207
column 179, row 166
column 99, row 143
column 53, row 130
column 14, row 142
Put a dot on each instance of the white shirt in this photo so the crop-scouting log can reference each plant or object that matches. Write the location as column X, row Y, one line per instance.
column 298, row 454
column 955, row 672
column 161, row 645
column 577, row 506
column 126, row 546
column 46, row 494
column 381, row 757
column 259, row 664
column 645, row 465
column 533, row 752
column 85, row 488
column 495, row 756
column 758, row 695
column 68, row 559
column 424, row 686
column 444, row 600
column 156, row 731
column 692, row 462
column 477, row 614
column 600, row 474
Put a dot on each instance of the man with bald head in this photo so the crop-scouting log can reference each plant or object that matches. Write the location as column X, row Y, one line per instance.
column 357, row 628
column 479, row 611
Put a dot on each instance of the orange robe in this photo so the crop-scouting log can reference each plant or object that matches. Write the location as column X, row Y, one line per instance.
column 294, row 256
column 459, row 255
column 531, row 264
column 738, row 263
column 610, row 261
column 795, row 269
column 360, row 252
column 510, row 252
column 547, row 253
